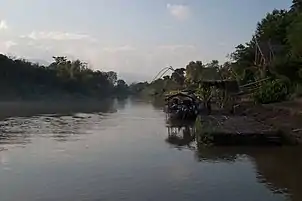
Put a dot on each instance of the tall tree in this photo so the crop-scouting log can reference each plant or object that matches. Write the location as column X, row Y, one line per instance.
column 194, row 71
column 112, row 77
column 297, row 5
column 295, row 35
column 179, row 76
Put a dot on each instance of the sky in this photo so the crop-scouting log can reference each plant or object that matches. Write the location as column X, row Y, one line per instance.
column 136, row 38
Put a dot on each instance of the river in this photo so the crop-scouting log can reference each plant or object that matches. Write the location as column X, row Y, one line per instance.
column 125, row 153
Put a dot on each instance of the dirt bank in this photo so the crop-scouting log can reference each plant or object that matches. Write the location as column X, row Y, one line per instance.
column 285, row 116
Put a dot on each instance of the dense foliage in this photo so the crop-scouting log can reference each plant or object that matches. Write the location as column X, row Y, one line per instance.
column 275, row 48
column 21, row 79
column 271, row 91
column 274, row 51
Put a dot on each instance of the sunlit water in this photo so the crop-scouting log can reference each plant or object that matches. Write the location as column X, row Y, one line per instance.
column 126, row 155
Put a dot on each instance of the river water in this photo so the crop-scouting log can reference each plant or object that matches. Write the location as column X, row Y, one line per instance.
column 125, row 153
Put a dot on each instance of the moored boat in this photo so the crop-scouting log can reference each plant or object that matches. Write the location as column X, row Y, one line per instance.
column 181, row 106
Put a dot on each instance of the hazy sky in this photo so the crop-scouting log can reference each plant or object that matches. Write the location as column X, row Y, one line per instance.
column 133, row 37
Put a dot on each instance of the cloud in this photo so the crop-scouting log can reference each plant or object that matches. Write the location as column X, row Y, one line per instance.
column 129, row 59
column 3, row 25
column 59, row 36
column 9, row 44
column 175, row 47
column 180, row 12
column 118, row 49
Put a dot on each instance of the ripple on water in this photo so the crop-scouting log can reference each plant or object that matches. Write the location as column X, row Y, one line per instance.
column 127, row 155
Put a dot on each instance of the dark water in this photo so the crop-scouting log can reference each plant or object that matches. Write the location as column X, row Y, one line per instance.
column 130, row 154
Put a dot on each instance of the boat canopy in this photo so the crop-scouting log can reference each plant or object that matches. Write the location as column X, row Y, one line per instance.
column 181, row 96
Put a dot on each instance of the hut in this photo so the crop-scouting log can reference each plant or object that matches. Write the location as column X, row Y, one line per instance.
column 182, row 106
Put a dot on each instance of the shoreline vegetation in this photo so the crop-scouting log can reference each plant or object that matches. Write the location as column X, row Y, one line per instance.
column 273, row 54
column 63, row 79
column 272, row 59
column 64, row 86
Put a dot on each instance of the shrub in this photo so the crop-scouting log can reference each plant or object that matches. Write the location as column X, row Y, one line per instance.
column 271, row 91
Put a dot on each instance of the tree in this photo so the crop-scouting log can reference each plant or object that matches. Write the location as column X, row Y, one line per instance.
column 121, row 87
column 194, row 72
column 296, row 6
column 21, row 78
column 213, row 64
column 167, row 77
column 112, row 77
column 178, row 76
column 227, row 72
column 273, row 27
column 294, row 36
column 137, row 88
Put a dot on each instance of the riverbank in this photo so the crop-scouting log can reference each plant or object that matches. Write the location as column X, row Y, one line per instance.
column 253, row 124
column 284, row 116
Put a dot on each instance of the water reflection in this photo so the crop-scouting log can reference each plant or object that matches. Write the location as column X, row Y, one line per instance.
column 121, row 102
column 60, row 127
column 158, row 103
column 28, row 109
column 124, row 156
column 181, row 137
column 278, row 168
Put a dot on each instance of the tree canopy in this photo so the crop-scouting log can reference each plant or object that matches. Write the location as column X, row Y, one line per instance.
column 274, row 50
column 22, row 79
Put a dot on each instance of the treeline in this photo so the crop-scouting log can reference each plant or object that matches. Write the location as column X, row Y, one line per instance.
column 21, row 79
column 274, row 51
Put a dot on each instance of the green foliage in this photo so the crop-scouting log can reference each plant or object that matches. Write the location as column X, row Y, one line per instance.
column 121, row 88
column 178, row 76
column 287, row 68
column 275, row 51
column 194, row 72
column 271, row 91
column 137, row 88
column 294, row 36
column 204, row 93
column 296, row 6
column 160, row 86
column 22, row 79
column 204, row 132
column 277, row 35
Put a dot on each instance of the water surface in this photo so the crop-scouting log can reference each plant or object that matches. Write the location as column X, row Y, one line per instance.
column 130, row 154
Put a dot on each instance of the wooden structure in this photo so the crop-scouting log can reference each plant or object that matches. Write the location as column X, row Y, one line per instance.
column 181, row 106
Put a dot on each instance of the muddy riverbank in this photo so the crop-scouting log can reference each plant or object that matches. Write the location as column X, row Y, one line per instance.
column 286, row 117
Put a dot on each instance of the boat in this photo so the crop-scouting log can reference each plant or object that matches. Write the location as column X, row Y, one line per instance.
column 181, row 106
